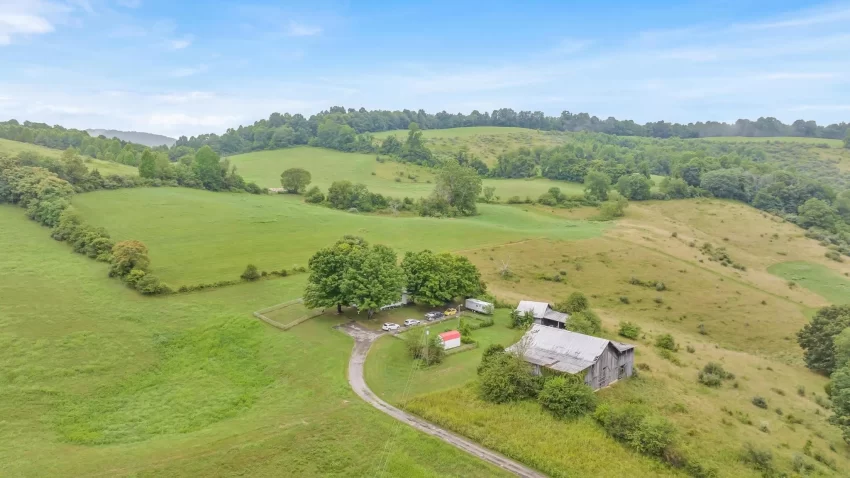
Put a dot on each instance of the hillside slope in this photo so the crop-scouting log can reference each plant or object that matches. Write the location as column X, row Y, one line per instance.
column 147, row 139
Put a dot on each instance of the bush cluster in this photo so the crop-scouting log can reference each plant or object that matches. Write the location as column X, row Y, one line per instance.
column 713, row 375
column 629, row 330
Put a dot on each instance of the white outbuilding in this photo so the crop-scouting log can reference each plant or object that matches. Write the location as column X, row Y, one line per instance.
column 450, row 339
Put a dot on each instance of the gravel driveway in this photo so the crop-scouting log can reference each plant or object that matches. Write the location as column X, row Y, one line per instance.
column 363, row 339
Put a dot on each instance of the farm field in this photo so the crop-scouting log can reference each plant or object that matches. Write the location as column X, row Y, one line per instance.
column 833, row 143
column 100, row 381
column 389, row 178
column 105, row 167
column 819, row 279
column 748, row 318
column 485, row 142
column 198, row 236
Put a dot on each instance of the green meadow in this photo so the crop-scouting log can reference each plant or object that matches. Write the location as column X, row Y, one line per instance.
column 105, row 167
column 819, row 279
column 199, row 236
column 389, row 178
column 96, row 380
column 833, row 143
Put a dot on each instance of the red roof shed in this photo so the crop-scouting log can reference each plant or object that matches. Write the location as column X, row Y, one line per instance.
column 451, row 334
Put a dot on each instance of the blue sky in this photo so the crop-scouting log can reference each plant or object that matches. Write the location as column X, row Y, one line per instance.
column 180, row 67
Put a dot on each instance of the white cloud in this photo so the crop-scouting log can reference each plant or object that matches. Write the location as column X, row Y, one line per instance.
column 188, row 71
column 12, row 24
column 821, row 108
column 809, row 18
column 179, row 98
column 170, row 120
column 180, row 43
column 303, row 30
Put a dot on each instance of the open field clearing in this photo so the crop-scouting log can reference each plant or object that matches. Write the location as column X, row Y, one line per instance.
column 198, row 236
column 100, row 381
column 105, row 167
column 389, row 178
column 484, row 142
column 819, row 279
column 832, row 143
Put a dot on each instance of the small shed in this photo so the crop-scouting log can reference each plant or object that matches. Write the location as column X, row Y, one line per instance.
column 481, row 306
column 450, row 339
column 543, row 313
column 601, row 361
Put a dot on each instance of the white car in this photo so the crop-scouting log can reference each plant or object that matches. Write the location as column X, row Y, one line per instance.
column 410, row 322
column 390, row 326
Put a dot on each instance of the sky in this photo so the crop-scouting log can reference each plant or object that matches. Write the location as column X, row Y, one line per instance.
column 185, row 68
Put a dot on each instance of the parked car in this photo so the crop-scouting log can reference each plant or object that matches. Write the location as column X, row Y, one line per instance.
column 410, row 322
column 390, row 326
column 451, row 312
column 433, row 316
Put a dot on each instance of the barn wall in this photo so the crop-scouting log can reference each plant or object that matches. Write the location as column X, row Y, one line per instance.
column 609, row 365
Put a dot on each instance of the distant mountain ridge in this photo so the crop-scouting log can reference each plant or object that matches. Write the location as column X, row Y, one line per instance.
column 147, row 139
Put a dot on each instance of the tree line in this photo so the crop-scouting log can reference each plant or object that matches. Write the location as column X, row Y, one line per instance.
column 282, row 130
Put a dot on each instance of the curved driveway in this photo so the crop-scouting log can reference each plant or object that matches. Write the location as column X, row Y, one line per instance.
column 363, row 339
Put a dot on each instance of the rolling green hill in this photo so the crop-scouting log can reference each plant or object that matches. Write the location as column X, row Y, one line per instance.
column 198, row 236
column 12, row 148
column 388, row 178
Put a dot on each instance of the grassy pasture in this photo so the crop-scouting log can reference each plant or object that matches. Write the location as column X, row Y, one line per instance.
column 12, row 148
column 485, row 142
column 389, row 178
column 749, row 318
column 96, row 380
column 198, row 236
column 833, row 143
column 818, row 278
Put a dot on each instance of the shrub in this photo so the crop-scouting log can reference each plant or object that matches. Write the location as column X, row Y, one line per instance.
column 507, row 378
column 521, row 320
column 759, row 402
column 834, row 255
column 666, row 342
column 619, row 421
column 801, row 390
column 659, row 286
column 151, row 285
column 652, row 436
column 493, row 350
column 690, row 349
column 567, row 398
column 314, row 195
column 629, row 330
column 576, row 302
column 624, row 299
column 585, row 322
column 426, row 348
column 250, row 273
column 713, row 375
column 760, row 460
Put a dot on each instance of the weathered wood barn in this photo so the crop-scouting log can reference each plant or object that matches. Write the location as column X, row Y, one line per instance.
column 602, row 361
column 543, row 313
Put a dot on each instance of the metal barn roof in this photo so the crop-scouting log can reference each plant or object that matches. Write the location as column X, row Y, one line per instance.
column 562, row 350
column 537, row 309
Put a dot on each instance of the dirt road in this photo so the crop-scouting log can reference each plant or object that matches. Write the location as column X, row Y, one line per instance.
column 363, row 339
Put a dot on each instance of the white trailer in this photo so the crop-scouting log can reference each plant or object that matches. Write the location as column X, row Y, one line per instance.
column 480, row 306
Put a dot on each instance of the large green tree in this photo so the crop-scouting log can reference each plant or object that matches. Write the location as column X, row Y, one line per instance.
column 414, row 149
column 128, row 256
column 208, row 169
column 327, row 268
column 634, row 187
column 295, row 180
column 596, row 185
column 459, row 186
column 817, row 338
column 372, row 279
column 817, row 213
column 435, row 279
column 147, row 165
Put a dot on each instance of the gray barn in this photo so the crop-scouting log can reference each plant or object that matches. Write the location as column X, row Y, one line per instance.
column 602, row 361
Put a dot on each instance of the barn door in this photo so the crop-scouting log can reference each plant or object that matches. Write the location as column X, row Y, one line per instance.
column 603, row 378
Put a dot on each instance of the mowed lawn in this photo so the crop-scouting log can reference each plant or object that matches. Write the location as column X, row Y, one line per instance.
column 389, row 178
column 12, row 148
column 199, row 236
column 392, row 374
column 818, row 278
column 97, row 380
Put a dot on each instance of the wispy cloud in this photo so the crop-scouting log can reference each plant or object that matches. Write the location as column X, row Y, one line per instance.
column 180, row 98
column 129, row 3
column 23, row 20
column 180, row 43
column 297, row 29
column 818, row 16
column 188, row 71
column 569, row 46
column 170, row 120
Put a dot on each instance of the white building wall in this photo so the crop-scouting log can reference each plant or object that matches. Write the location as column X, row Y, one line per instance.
column 451, row 343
